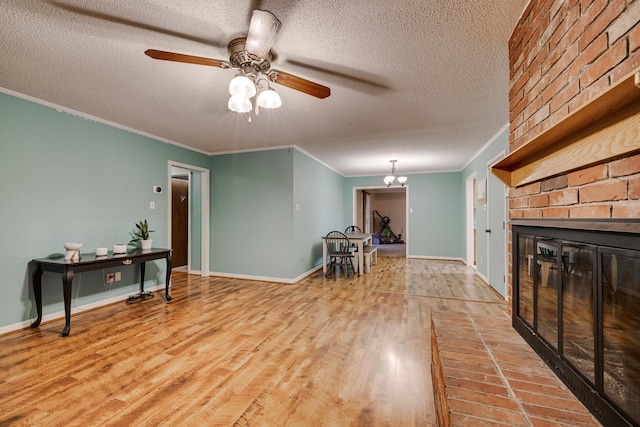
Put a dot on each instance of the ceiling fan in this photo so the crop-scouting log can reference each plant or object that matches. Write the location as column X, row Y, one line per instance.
column 251, row 56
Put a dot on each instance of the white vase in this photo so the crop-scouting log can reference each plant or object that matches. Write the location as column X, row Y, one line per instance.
column 146, row 244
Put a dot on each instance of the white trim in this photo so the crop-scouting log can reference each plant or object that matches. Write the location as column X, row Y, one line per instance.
column 484, row 279
column 441, row 258
column 78, row 309
column 491, row 162
column 318, row 160
column 252, row 150
column 266, row 278
column 73, row 112
column 61, row 109
column 469, row 220
column 485, row 146
column 205, row 211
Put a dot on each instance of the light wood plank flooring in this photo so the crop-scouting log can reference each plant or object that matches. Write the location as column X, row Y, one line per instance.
column 225, row 352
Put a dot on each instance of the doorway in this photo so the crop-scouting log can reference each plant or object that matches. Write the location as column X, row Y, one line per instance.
column 188, row 217
column 180, row 213
column 371, row 203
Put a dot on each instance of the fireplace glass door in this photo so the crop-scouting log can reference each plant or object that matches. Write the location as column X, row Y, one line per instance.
column 576, row 301
column 621, row 328
column 578, row 307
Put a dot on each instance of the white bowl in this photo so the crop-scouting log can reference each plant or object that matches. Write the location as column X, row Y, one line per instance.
column 72, row 246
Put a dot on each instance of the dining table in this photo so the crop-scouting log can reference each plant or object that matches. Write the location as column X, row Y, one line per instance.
column 360, row 239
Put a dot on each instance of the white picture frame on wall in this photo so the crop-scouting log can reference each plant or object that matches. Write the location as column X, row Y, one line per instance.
column 481, row 190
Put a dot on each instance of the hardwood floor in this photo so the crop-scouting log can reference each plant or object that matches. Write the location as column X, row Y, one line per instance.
column 227, row 352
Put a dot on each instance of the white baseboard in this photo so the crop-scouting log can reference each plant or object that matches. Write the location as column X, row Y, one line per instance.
column 266, row 278
column 60, row 314
column 441, row 258
column 481, row 276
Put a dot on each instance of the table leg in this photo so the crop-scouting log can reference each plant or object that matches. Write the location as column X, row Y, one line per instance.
column 37, row 293
column 324, row 257
column 142, row 295
column 360, row 257
column 143, row 266
column 168, row 279
column 67, row 280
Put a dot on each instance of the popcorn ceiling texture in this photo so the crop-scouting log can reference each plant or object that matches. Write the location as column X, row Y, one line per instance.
column 424, row 82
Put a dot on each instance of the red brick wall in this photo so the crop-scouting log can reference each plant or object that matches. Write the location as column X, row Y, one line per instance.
column 562, row 54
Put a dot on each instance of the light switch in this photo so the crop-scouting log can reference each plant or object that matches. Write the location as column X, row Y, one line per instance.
column 410, row 210
column 297, row 206
column 152, row 205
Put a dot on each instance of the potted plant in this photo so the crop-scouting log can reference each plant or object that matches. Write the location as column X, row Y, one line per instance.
column 141, row 234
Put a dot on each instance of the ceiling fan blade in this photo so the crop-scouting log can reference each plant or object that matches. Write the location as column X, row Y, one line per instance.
column 134, row 24
column 348, row 77
column 262, row 33
column 299, row 84
column 190, row 59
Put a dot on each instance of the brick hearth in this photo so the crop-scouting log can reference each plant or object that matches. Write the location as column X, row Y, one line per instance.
column 485, row 374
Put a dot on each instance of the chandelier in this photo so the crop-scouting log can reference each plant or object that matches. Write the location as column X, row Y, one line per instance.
column 262, row 31
column 393, row 178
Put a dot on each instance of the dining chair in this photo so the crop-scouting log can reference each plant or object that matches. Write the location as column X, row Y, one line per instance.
column 353, row 248
column 339, row 254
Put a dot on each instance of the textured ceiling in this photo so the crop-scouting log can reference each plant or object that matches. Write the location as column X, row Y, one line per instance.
column 423, row 82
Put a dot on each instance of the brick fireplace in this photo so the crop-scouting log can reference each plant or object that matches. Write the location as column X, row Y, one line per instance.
column 574, row 113
column 562, row 55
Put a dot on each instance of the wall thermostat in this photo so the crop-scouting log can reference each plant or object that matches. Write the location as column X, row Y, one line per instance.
column 157, row 189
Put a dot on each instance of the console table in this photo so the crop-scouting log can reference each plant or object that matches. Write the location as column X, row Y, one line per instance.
column 90, row 262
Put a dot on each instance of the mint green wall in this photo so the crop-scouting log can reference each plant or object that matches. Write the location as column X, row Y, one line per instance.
column 65, row 178
column 252, row 213
column 436, row 226
column 479, row 167
column 317, row 191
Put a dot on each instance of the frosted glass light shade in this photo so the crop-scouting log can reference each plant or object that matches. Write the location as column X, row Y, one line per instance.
column 402, row 179
column 269, row 98
column 262, row 33
column 242, row 86
column 388, row 179
column 239, row 104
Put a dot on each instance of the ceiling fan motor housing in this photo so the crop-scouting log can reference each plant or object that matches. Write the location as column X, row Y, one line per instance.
column 240, row 58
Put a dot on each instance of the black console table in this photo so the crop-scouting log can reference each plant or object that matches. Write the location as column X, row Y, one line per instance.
column 90, row 262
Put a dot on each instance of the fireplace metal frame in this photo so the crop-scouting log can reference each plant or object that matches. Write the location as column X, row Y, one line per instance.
column 622, row 235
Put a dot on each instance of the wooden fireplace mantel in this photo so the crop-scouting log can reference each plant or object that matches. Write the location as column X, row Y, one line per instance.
column 606, row 128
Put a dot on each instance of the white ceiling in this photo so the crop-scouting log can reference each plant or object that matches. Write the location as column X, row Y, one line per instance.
column 424, row 82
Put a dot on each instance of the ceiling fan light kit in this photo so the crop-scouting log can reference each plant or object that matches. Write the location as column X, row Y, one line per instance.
column 242, row 86
column 393, row 178
column 262, row 33
column 239, row 104
column 251, row 56
column 269, row 98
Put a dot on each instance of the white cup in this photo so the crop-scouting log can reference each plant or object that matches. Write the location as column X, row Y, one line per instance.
column 120, row 249
column 101, row 251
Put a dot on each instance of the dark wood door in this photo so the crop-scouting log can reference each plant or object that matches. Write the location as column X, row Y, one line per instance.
column 179, row 220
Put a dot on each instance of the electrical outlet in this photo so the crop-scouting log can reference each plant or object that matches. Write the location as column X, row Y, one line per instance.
column 110, row 277
column 118, row 276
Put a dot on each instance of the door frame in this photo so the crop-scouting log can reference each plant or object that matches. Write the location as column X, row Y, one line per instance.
column 204, row 210
column 504, row 236
column 354, row 217
column 470, row 184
